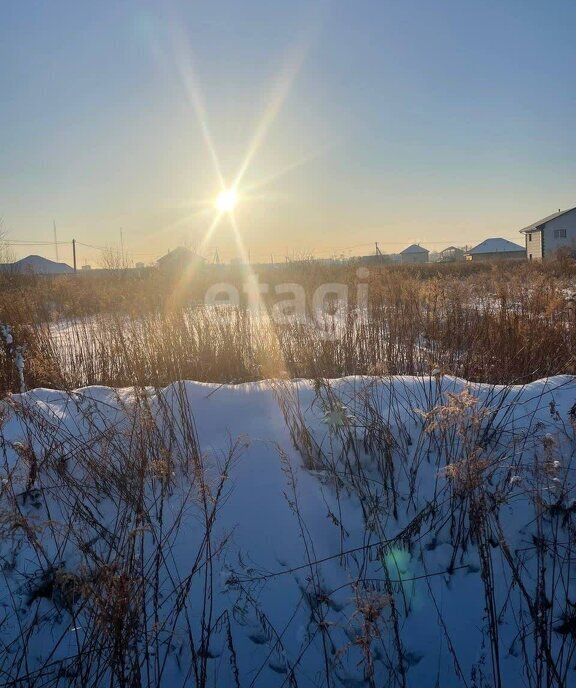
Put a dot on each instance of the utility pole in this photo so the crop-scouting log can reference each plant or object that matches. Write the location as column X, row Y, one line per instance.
column 378, row 251
column 74, row 253
column 55, row 241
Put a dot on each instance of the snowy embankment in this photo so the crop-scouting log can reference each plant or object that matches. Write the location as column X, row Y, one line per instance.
column 359, row 532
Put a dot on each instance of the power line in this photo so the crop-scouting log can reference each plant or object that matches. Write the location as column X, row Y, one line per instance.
column 97, row 248
column 327, row 250
column 18, row 242
column 109, row 248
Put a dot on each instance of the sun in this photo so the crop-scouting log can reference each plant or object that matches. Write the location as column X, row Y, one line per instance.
column 227, row 201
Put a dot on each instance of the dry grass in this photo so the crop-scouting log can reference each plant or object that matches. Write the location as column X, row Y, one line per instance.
column 494, row 323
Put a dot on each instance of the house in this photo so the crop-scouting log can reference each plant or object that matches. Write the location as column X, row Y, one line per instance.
column 179, row 259
column 374, row 259
column 36, row 265
column 496, row 249
column 450, row 255
column 414, row 254
column 550, row 234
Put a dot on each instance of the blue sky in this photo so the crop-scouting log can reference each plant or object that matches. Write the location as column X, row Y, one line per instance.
column 438, row 122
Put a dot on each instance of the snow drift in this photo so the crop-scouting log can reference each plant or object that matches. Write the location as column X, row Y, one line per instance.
column 357, row 532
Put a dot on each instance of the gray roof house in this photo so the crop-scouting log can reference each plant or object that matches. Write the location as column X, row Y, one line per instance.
column 547, row 236
column 496, row 249
column 414, row 254
column 179, row 259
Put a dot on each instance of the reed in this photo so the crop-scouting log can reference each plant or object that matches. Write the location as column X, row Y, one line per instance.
column 499, row 324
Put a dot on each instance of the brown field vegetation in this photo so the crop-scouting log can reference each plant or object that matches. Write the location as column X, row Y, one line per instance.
column 500, row 323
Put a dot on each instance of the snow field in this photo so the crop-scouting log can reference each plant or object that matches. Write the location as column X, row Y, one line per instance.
column 401, row 531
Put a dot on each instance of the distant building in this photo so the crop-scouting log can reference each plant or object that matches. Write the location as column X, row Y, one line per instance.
column 496, row 249
column 374, row 259
column 179, row 259
column 86, row 267
column 451, row 255
column 546, row 237
column 36, row 265
column 414, row 254
column 139, row 266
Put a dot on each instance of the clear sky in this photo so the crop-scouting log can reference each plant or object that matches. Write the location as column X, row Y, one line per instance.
column 369, row 120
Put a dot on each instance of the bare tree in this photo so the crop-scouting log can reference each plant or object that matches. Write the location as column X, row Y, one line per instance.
column 114, row 259
column 6, row 252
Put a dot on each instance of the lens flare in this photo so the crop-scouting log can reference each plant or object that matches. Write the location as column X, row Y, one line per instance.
column 227, row 200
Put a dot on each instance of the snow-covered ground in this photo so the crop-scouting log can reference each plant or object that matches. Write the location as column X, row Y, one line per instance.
column 359, row 532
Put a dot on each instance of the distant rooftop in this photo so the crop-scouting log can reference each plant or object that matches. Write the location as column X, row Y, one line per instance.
column 179, row 253
column 496, row 245
column 544, row 220
column 414, row 248
column 37, row 265
column 179, row 256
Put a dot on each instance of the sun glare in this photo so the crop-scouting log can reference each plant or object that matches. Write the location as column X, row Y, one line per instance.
column 227, row 201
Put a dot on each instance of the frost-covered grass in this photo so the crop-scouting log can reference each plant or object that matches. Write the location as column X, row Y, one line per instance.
column 368, row 531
